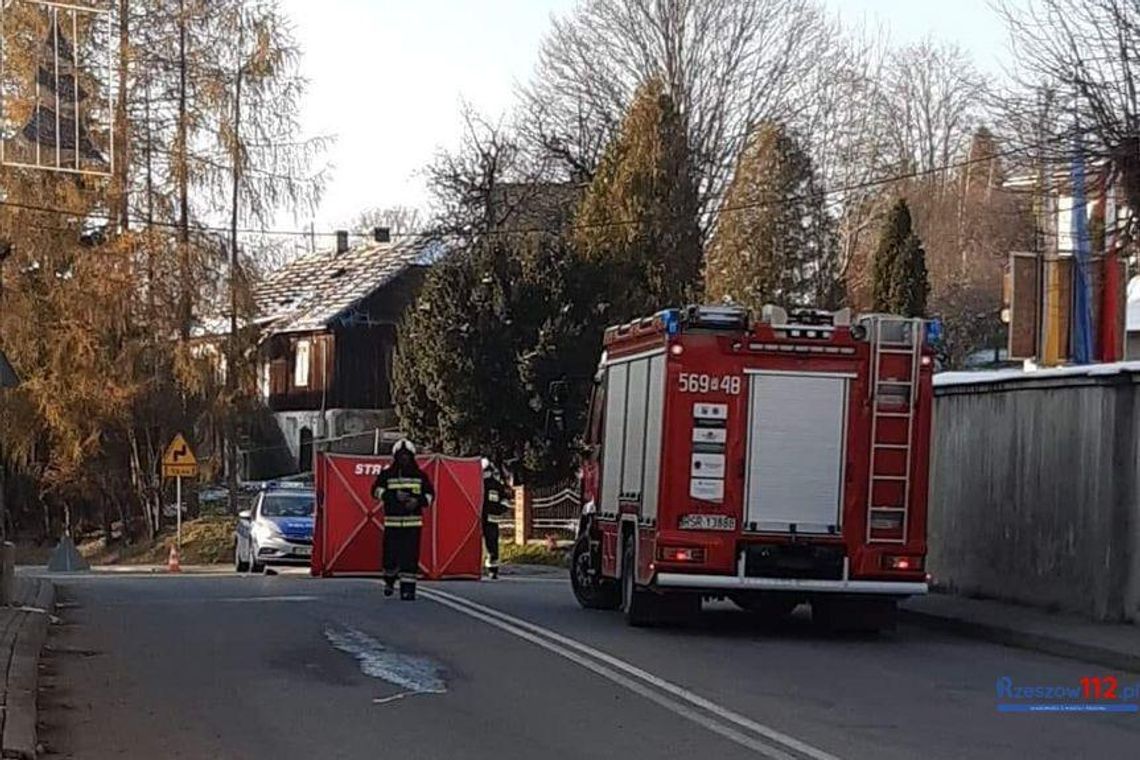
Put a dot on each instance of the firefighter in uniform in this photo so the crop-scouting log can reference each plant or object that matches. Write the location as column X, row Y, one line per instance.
column 495, row 498
column 405, row 492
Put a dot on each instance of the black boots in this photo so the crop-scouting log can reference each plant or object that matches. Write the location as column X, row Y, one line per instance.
column 408, row 591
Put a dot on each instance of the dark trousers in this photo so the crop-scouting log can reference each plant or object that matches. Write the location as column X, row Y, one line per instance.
column 401, row 556
column 491, row 540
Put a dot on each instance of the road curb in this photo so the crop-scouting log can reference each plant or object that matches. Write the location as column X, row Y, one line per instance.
column 19, row 738
column 1068, row 648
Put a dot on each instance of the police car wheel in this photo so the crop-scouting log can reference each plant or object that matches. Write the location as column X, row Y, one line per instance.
column 254, row 565
column 240, row 565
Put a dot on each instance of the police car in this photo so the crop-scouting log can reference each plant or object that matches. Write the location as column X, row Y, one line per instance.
column 278, row 530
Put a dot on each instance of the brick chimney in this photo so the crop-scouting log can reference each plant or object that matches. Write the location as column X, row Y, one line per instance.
column 341, row 241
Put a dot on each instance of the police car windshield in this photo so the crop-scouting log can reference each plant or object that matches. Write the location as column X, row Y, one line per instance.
column 288, row 505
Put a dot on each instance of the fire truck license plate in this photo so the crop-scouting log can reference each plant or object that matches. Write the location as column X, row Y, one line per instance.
column 708, row 522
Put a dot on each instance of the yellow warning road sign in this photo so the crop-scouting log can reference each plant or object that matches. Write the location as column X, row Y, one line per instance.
column 179, row 460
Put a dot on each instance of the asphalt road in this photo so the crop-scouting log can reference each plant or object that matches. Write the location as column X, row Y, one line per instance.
column 222, row 666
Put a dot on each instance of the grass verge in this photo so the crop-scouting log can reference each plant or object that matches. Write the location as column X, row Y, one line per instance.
column 533, row 554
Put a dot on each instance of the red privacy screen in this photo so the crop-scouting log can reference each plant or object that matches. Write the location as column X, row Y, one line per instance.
column 350, row 524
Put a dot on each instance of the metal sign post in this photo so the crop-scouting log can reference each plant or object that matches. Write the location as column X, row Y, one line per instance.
column 178, row 513
column 178, row 462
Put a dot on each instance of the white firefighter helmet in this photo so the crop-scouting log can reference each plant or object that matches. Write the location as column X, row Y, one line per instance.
column 487, row 465
column 404, row 445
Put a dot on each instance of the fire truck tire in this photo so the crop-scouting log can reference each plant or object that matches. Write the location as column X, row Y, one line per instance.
column 592, row 591
column 640, row 607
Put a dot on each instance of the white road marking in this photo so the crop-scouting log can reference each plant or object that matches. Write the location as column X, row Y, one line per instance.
column 669, row 704
column 212, row 600
column 669, row 687
column 418, row 675
column 516, row 579
column 244, row 599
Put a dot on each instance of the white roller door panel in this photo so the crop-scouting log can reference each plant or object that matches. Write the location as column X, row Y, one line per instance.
column 616, row 380
column 634, row 457
column 797, row 430
column 654, row 424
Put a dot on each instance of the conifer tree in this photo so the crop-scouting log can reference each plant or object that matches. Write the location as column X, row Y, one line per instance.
column 639, row 217
column 774, row 242
column 901, row 283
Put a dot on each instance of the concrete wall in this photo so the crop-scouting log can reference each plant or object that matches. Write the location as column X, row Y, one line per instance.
column 1034, row 489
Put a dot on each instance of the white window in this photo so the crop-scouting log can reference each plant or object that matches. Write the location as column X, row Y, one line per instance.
column 301, row 364
column 263, row 379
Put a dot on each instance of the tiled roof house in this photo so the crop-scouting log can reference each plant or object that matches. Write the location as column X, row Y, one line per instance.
column 329, row 336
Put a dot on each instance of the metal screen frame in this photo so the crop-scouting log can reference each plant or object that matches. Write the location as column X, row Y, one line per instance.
column 103, row 76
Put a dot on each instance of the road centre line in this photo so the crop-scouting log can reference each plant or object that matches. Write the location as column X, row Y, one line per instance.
column 669, row 704
column 624, row 673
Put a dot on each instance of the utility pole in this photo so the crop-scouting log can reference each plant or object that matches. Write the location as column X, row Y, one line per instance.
column 231, row 369
column 185, row 307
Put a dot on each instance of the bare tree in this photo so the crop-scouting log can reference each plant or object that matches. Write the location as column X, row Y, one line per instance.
column 1087, row 53
column 486, row 183
column 842, row 128
column 729, row 64
column 400, row 221
column 932, row 101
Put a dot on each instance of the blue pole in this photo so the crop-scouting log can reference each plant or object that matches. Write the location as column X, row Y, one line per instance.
column 1082, row 332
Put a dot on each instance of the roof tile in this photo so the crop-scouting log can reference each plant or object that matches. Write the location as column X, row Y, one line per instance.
column 310, row 292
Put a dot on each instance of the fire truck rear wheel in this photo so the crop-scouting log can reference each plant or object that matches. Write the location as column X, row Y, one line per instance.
column 638, row 606
column 592, row 591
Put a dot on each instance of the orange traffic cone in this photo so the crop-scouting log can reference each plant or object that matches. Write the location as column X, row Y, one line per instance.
column 172, row 563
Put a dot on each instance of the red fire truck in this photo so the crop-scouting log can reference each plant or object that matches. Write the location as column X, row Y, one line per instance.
column 770, row 462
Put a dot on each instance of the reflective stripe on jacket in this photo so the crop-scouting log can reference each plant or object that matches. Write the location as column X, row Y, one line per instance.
column 403, row 522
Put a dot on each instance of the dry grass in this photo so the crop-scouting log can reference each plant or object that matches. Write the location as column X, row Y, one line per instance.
column 205, row 541
column 533, row 554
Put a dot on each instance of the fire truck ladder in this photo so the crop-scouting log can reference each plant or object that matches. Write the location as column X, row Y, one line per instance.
column 896, row 343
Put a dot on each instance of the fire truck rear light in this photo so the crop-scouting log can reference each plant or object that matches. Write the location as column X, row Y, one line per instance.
column 926, row 361
column 681, row 554
column 677, row 349
column 902, row 563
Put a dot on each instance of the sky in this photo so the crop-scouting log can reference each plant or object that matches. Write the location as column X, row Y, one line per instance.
column 388, row 77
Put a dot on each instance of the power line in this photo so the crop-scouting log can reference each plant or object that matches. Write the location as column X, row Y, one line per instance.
column 822, row 193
